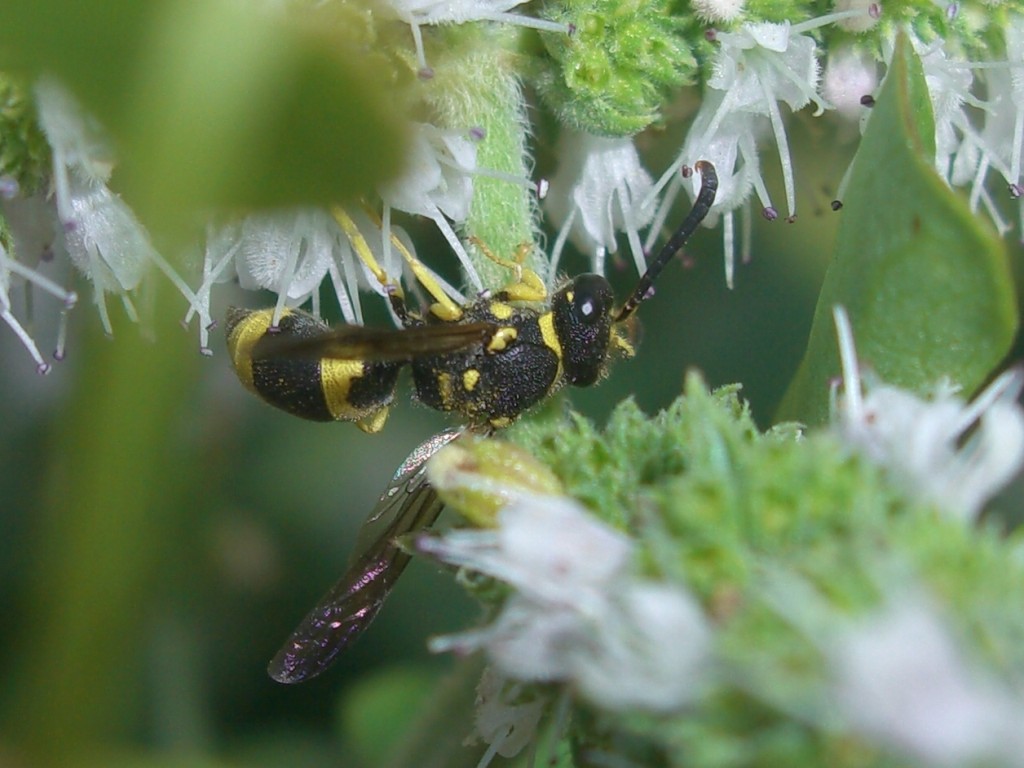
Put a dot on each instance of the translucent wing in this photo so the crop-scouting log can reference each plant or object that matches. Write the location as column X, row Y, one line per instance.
column 408, row 504
column 354, row 342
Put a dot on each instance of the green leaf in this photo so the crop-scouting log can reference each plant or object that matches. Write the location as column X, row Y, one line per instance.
column 382, row 705
column 215, row 104
column 926, row 282
column 438, row 738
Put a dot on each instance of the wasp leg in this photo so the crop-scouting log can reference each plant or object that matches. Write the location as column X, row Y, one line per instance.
column 443, row 307
column 392, row 289
column 526, row 284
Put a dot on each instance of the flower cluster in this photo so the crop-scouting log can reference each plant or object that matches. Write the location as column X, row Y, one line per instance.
column 902, row 679
column 577, row 615
column 792, row 580
column 667, row 631
column 288, row 252
column 949, row 453
column 606, row 75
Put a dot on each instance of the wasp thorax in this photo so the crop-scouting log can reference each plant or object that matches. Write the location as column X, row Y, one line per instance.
column 582, row 314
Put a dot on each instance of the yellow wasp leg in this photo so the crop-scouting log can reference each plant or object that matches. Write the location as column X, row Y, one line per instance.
column 443, row 306
column 526, row 284
column 363, row 250
column 625, row 342
column 374, row 422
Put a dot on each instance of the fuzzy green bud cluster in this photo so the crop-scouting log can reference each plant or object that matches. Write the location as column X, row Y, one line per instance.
column 24, row 152
column 611, row 76
column 786, row 539
column 974, row 26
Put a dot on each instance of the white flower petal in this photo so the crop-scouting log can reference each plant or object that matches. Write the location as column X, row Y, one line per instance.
column 437, row 176
column 76, row 139
column 287, row 252
column 651, row 655
column 547, row 547
column 902, row 680
column 849, row 75
column 104, row 239
column 506, row 716
column 577, row 615
column 600, row 189
column 765, row 62
column 946, row 452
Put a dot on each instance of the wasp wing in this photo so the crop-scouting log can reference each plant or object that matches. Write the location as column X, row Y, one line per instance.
column 408, row 504
column 356, row 342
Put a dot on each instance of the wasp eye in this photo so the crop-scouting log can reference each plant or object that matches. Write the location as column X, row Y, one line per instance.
column 591, row 298
column 586, row 309
column 582, row 314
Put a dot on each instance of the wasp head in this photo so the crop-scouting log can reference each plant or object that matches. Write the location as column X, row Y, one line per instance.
column 583, row 319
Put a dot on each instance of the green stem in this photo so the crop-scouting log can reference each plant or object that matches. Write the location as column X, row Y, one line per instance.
column 481, row 90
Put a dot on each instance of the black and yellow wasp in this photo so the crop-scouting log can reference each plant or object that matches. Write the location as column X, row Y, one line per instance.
column 487, row 362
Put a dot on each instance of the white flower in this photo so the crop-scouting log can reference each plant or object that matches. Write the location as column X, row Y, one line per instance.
column 997, row 146
column 1014, row 31
column 849, row 76
column 13, row 272
column 759, row 66
column 427, row 12
column 652, row 652
column 107, row 244
column 102, row 237
column 547, row 547
column 733, row 147
column 218, row 254
column 1000, row 143
column 437, row 183
column 718, row 11
column 901, row 679
column 577, row 615
column 763, row 63
column 947, row 452
column 963, row 153
column 507, row 715
column 76, row 139
column 949, row 87
column 865, row 14
column 287, row 252
column 600, row 189
column 291, row 253
column 29, row 269
column 437, row 175
column 756, row 67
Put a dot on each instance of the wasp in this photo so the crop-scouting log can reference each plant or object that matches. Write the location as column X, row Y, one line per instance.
column 487, row 362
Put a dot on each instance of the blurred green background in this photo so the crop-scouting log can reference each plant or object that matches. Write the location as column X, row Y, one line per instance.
column 162, row 531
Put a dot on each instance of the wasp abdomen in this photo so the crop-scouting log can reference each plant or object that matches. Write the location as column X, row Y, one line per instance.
column 308, row 386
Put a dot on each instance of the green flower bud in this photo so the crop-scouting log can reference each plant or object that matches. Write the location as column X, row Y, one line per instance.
column 613, row 73
column 480, row 476
column 24, row 153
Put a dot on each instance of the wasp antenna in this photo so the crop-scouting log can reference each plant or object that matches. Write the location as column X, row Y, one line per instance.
column 701, row 206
